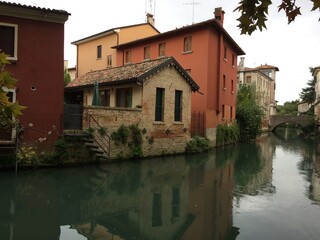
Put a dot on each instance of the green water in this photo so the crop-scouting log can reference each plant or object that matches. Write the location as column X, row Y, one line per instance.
column 264, row 190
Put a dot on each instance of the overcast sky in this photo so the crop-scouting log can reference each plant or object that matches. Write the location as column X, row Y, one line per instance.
column 292, row 48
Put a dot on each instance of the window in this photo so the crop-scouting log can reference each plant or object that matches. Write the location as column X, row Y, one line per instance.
column 9, row 40
column 146, row 53
column 233, row 60
column 159, row 104
column 178, row 106
column 223, row 112
column 224, row 82
column 248, row 79
column 187, row 44
column 124, row 97
column 175, row 203
column 109, row 60
column 225, row 52
column 105, row 97
column 128, row 56
column 99, row 51
column 232, row 87
column 156, row 210
column 162, row 49
column 231, row 113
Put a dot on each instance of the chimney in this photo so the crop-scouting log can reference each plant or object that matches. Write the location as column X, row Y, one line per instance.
column 241, row 64
column 150, row 19
column 219, row 14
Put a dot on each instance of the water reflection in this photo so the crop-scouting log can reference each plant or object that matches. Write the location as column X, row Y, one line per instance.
column 172, row 198
column 264, row 190
column 276, row 181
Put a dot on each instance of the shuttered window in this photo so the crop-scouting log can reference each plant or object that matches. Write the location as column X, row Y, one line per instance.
column 159, row 104
column 178, row 106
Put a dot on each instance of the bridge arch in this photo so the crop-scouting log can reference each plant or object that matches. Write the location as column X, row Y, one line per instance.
column 277, row 120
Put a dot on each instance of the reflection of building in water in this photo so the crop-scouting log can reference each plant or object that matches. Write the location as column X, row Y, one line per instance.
column 261, row 180
column 315, row 180
column 155, row 199
column 172, row 201
column 210, row 201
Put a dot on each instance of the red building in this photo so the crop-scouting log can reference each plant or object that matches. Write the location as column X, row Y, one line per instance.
column 209, row 54
column 34, row 39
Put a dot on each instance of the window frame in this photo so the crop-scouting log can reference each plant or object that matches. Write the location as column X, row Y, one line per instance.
column 128, row 93
column 128, row 56
column 99, row 51
column 146, row 53
column 162, row 49
column 109, row 60
column 159, row 104
column 105, row 101
column 178, row 106
column 187, row 44
column 15, row 40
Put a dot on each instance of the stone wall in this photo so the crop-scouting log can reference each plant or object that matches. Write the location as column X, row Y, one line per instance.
column 159, row 138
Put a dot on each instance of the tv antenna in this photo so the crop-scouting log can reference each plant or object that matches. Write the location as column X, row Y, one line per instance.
column 151, row 7
column 193, row 3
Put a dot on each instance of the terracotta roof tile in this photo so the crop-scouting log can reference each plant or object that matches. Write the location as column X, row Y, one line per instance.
column 34, row 7
column 127, row 73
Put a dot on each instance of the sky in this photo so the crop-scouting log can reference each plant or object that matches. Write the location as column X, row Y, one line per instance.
column 292, row 48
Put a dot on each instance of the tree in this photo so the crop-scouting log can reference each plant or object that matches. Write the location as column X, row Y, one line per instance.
column 67, row 77
column 249, row 114
column 288, row 108
column 254, row 13
column 8, row 111
column 308, row 94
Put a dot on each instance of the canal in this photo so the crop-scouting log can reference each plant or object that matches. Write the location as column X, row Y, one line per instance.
column 264, row 190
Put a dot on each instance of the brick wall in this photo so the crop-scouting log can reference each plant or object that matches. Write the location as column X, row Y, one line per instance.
column 167, row 137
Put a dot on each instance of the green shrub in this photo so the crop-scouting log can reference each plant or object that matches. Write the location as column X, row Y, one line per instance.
column 121, row 135
column 227, row 134
column 198, row 145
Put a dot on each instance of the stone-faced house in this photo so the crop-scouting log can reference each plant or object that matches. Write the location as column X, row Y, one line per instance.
column 263, row 78
column 34, row 39
column 154, row 95
column 316, row 75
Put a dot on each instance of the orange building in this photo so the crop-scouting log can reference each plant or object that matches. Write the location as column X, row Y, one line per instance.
column 209, row 54
column 95, row 52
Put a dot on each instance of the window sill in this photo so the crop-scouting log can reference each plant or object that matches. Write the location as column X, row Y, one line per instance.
column 224, row 89
column 158, row 123
column 187, row 52
column 178, row 123
column 226, row 60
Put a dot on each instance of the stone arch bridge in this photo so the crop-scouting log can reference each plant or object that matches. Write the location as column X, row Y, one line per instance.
column 277, row 120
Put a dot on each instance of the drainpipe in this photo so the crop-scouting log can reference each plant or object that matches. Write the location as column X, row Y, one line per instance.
column 117, row 31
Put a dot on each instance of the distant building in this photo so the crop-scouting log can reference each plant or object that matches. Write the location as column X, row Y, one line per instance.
column 316, row 75
column 263, row 78
column 303, row 107
column 34, row 39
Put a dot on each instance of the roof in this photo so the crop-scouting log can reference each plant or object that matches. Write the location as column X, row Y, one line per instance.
column 33, row 12
column 209, row 23
column 129, row 74
column 109, row 32
column 262, row 67
column 315, row 70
